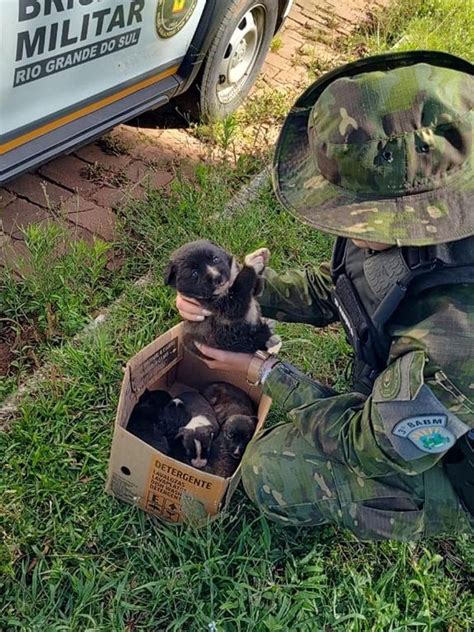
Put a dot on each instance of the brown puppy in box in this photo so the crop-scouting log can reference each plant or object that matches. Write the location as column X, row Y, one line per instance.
column 236, row 416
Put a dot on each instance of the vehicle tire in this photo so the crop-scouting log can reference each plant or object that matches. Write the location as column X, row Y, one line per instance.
column 236, row 56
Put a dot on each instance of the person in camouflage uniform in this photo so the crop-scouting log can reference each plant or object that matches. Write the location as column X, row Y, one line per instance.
column 378, row 150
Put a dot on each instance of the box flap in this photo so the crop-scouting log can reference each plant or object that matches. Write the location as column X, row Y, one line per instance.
column 155, row 359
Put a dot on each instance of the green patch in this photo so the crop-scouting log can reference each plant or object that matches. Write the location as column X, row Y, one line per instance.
column 390, row 382
column 446, row 25
column 62, row 282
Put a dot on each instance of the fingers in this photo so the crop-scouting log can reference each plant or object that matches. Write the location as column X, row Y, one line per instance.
column 211, row 353
column 190, row 309
column 258, row 259
column 214, row 358
column 225, row 360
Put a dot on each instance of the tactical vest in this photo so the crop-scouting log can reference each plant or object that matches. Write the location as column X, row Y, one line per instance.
column 371, row 286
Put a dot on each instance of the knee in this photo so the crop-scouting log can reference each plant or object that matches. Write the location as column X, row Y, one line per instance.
column 252, row 471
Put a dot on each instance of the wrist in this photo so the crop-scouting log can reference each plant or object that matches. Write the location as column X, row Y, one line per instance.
column 259, row 367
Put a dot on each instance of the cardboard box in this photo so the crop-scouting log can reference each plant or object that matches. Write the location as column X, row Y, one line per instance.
column 141, row 475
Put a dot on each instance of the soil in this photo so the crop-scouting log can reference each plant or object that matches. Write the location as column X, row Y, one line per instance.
column 6, row 358
column 27, row 337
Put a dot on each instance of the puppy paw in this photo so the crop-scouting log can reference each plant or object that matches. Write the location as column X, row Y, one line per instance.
column 258, row 260
column 271, row 324
column 274, row 344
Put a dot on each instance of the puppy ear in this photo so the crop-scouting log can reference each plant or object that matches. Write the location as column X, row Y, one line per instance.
column 170, row 274
column 180, row 433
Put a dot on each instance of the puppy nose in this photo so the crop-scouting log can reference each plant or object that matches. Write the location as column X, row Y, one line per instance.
column 218, row 280
column 237, row 452
column 199, row 463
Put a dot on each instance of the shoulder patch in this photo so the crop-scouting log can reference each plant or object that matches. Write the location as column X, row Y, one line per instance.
column 390, row 383
column 427, row 432
column 414, row 420
column 401, row 380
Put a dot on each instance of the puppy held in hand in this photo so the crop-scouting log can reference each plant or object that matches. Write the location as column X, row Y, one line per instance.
column 207, row 273
column 197, row 435
column 227, row 400
column 146, row 420
column 229, row 446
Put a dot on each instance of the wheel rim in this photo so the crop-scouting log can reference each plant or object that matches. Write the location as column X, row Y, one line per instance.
column 241, row 53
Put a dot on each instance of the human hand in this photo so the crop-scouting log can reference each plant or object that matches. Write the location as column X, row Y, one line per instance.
column 225, row 360
column 190, row 309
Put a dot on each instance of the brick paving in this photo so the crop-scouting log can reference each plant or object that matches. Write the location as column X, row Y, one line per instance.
column 82, row 190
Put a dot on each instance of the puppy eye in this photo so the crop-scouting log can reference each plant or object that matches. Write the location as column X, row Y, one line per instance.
column 195, row 273
column 215, row 259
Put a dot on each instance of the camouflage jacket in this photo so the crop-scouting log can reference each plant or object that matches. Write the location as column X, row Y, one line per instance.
column 420, row 404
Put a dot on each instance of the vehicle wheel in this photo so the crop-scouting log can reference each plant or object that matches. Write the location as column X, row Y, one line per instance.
column 236, row 56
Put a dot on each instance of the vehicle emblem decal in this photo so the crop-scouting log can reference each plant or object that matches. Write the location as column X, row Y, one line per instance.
column 172, row 15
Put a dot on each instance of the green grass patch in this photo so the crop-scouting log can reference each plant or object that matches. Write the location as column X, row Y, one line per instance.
column 60, row 284
column 445, row 25
column 76, row 559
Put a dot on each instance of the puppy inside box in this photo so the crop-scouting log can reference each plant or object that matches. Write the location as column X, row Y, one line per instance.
column 141, row 475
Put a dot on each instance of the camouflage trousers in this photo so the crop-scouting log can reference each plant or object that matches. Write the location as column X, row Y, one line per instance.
column 294, row 484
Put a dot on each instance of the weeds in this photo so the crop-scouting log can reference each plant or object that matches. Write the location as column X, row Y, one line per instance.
column 316, row 61
column 251, row 130
column 276, row 44
column 60, row 284
column 101, row 174
column 114, row 145
column 446, row 25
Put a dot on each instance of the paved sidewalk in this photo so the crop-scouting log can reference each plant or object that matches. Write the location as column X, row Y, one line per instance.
column 82, row 190
column 309, row 28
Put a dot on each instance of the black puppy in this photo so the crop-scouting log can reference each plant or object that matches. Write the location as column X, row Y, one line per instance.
column 146, row 420
column 229, row 446
column 197, row 435
column 206, row 272
column 157, row 419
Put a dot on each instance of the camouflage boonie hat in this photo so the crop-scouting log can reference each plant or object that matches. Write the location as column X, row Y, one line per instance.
column 382, row 150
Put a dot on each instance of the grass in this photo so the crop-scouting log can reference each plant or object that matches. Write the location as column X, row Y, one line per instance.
column 251, row 130
column 446, row 25
column 62, row 282
column 74, row 559
column 276, row 44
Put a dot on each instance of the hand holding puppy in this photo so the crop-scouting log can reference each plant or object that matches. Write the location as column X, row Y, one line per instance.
column 220, row 360
column 190, row 309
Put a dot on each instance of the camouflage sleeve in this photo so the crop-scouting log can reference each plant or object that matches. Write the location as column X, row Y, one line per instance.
column 299, row 296
column 400, row 427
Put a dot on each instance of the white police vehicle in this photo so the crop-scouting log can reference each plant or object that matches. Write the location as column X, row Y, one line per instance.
column 72, row 69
